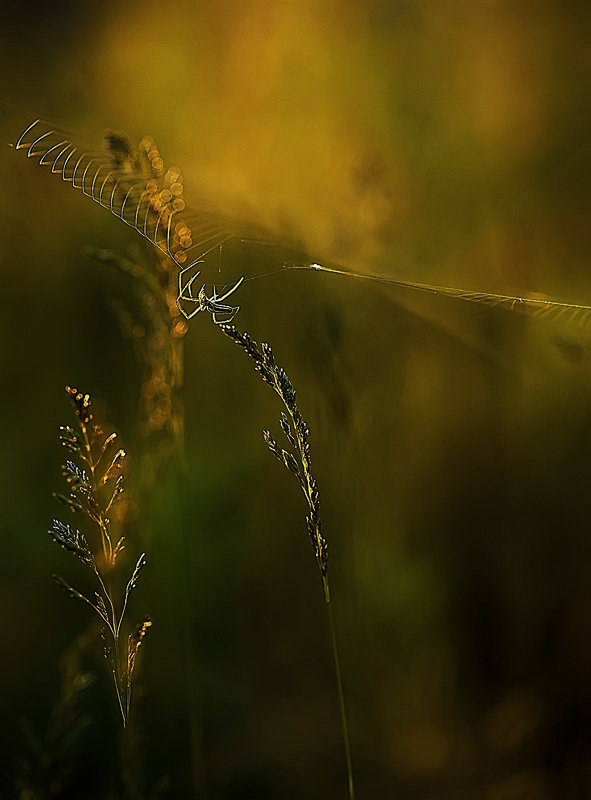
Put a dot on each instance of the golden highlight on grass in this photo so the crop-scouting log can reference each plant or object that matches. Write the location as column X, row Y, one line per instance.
column 94, row 477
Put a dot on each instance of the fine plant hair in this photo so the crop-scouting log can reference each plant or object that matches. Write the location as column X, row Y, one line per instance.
column 297, row 460
column 95, row 478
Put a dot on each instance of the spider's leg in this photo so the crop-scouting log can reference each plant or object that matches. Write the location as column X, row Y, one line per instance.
column 234, row 311
column 187, row 292
column 190, row 314
column 230, row 291
column 229, row 313
column 182, row 288
column 219, row 321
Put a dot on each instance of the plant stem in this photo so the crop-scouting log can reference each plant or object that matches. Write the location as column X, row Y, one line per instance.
column 108, row 555
column 117, row 678
column 296, row 431
column 343, row 710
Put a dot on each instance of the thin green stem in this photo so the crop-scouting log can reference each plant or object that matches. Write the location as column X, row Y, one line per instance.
column 341, row 694
column 113, row 623
column 114, row 627
column 296, row 431
column 116, row 679
column 105, row 537
column 108, row 554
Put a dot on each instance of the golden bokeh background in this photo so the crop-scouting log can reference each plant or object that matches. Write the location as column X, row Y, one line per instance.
column 441, row 141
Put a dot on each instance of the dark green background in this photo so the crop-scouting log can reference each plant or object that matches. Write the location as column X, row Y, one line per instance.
column 440, row 141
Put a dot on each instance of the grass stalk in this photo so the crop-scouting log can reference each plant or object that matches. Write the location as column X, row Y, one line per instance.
column 297, row 460
column 94, row 478
column 341, row 693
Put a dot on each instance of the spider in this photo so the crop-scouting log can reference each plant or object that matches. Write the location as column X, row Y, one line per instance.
column 213, row 304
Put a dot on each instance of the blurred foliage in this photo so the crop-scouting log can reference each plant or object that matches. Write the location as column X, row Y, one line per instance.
column 435, row 140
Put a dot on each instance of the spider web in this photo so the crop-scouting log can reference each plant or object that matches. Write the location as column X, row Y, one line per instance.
column 136, row 188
